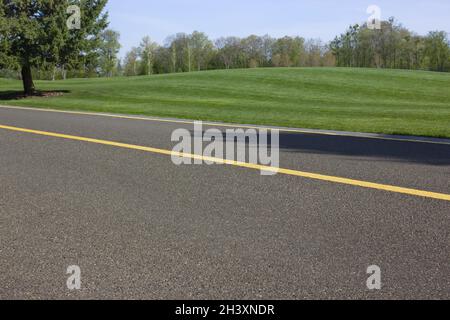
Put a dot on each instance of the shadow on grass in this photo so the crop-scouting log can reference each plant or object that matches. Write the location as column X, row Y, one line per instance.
column 18, row 95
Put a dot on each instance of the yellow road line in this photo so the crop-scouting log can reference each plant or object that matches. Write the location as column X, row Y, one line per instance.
column 225, row 125
column 309, row 175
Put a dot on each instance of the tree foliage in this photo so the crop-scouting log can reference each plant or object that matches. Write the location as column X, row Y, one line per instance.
column 34, row 33
column 35, row 41
column 393, row 46
column 195, row 52
column 108, row 50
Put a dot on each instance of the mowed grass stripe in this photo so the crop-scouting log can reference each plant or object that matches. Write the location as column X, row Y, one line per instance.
column 309, row 175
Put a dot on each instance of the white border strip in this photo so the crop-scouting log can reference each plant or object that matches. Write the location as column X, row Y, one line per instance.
column 230, row 125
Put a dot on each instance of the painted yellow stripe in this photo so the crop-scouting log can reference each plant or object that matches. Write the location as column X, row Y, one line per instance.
column 309, row 175
column 227, row 125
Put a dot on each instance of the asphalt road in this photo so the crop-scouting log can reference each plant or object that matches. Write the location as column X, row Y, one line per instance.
column 140, row 227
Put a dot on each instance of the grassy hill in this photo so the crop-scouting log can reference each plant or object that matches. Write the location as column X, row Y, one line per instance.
column 365, row 100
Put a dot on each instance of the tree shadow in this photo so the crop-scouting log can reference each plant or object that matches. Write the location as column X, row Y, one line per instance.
column 364, row 149
column 19, row 95
column 367, row 148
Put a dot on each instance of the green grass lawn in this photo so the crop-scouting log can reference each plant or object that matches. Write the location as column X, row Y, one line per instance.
column 364, row 100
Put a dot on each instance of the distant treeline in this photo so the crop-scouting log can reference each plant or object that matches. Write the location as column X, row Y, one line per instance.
column 392, row 46
column 195, row 52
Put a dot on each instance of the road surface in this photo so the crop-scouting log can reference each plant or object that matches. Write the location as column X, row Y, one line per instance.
column 140, row 227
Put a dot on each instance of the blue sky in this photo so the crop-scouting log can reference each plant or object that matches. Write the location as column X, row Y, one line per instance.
column 308, row 18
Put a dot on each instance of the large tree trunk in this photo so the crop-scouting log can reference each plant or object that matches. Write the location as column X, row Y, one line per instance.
column 27, row 79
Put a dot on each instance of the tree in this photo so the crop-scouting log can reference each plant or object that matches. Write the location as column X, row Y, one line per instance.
column 131, row 62
column 109, row 49
column 393, row 46
column 35, row 33
column 180, row 52
column 229, row 51
column 147, row 51
column 163, row 60
column 437, row 50
column 288, row 52
column 253, row 50
column 202, row 49
column 314, row 48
